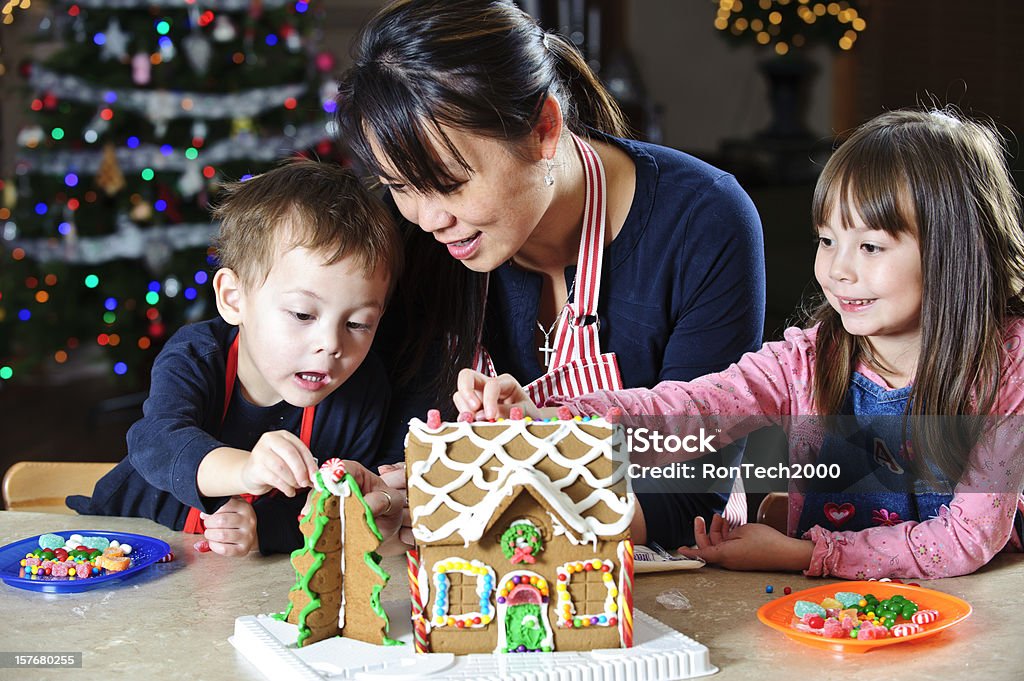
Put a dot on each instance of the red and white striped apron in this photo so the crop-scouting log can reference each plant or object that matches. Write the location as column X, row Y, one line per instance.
column 193, row 523
column 578, row 366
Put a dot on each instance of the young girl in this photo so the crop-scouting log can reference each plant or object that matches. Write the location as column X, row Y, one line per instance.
column 921, row 262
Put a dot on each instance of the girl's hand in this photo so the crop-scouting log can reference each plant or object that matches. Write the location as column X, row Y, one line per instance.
column 231, row 531
column 491, row 398
column 278, row 461
column 749, row 547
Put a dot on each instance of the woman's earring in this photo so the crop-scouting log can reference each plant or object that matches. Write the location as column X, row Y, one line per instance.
column 548, row 177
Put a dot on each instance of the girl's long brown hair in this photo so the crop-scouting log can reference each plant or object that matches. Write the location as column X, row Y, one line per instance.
column 943, row 178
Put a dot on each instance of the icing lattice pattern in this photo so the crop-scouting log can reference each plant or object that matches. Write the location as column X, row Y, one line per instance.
column 486, row 481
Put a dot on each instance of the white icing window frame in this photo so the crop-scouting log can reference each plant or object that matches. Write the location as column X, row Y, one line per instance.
column 439, row 579
column 566, row 619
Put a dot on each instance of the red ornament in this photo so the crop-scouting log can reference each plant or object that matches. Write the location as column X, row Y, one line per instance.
column 325, row 62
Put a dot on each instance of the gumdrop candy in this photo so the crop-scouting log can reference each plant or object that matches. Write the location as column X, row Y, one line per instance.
column 802, row 608
column 848, row 614
column 831, row 604
column 871, row 632
column 833, row 629
column 51, row 541
column 98, row 543
column 59, row 570
column 848, row 598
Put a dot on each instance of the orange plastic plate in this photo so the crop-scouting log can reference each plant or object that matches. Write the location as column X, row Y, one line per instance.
column 778, row 614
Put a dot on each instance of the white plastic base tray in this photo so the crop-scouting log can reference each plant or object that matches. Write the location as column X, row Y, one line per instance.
column 660, row 654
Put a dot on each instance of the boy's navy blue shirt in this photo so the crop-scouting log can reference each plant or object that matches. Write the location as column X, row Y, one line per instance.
column 181, row 424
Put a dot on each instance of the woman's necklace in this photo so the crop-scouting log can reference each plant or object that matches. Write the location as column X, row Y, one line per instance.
column 548, row 349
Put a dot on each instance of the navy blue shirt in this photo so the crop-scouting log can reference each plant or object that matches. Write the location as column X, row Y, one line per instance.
column 682, row 295
column 181, row 424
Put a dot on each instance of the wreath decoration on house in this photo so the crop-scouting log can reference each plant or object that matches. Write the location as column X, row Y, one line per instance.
column 521, row 542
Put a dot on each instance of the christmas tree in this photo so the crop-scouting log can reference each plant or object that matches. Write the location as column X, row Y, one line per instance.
column 141, row 112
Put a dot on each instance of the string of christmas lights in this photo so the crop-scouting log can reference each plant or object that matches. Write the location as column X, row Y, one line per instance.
column 787, row 24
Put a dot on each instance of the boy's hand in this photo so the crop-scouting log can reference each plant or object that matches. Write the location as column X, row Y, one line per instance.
column 753, row 546
column 231, row 531
column 278, row 461
column 393, row 475
column 491, row 398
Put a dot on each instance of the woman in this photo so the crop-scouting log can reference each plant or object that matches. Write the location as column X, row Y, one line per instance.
column 548, row 246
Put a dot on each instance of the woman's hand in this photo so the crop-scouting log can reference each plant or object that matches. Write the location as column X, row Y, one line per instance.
column 393, row 474
column 386, row 503
column 749, row 547
column 231, row 530
column 491, row 398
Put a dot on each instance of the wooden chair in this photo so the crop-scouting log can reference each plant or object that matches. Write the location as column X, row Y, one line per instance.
column 41, row 486
column 774, row 511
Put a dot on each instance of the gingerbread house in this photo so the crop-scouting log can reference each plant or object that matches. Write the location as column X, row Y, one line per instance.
column 338, row 576
column 522, row 535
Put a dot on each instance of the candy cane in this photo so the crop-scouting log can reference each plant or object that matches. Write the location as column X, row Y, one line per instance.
column 626, row 598
column 419, row 628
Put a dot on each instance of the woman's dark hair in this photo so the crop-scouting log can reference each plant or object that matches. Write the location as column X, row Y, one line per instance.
column 480, row 66
column 942, row 179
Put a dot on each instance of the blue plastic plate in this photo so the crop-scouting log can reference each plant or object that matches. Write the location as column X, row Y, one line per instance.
column 145, row 552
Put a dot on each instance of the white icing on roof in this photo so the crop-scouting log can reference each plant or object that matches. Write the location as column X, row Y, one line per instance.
column 471, row 521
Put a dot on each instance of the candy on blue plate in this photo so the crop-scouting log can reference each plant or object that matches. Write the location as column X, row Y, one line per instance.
column 99, row 543
column 51, row 541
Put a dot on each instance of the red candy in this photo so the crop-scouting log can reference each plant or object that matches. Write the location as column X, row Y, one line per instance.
column 434, row 419
column 466, row 417
column 613, row 415
column 906, row 629
column 925, row 616
column 168, row 558
column 202, row 546
column 564, row 414
column 515, row 413
column 815, row 622
column 787, row 590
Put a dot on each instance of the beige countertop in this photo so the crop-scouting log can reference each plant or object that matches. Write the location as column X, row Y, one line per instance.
column 173, row 620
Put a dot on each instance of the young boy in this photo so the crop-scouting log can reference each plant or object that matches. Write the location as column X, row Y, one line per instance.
column 245, row 404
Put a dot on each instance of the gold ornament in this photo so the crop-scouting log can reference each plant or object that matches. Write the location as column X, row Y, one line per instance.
column 141, row 211
column 109, row 177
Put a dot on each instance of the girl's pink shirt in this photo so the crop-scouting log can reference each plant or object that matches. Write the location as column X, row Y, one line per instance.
column 775, row 382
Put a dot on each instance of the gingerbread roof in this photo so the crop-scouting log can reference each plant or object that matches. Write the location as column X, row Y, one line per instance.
column 462, row 476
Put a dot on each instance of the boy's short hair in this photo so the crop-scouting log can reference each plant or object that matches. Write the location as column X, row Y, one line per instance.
column 322, row 207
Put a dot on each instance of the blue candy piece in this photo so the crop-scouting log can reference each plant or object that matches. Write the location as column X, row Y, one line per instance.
column 98, row 543
column 807, row 608
column 51, row 541
column 848, row 598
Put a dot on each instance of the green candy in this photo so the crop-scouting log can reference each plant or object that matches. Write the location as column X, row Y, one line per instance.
column 848, row 598
column 98, row 543
column 51, row 541
column 801, row 608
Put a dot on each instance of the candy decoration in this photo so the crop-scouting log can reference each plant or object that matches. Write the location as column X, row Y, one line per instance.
column 466, row 417
column 906, row 629
column 626, row 590
column 515, row 413
column 420, row 639
column 788, row 590
column 769, row 588
column 925, row 616
column 613, row 415
column 168, row 558
column 564, row 414
column 51, row 541
column 334, row 469
column 849, row 599
column 433, row 419
column 202, row 546
column 802, row 608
